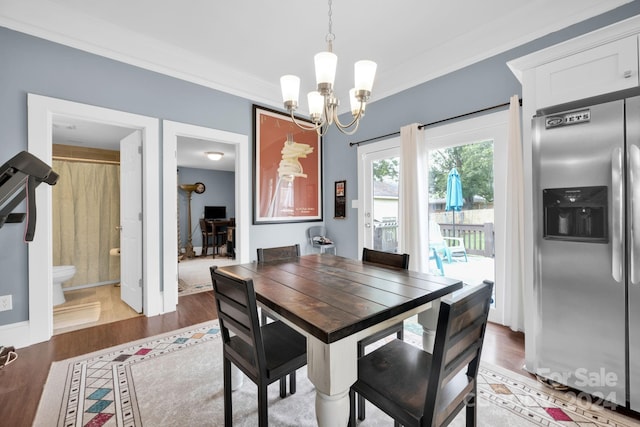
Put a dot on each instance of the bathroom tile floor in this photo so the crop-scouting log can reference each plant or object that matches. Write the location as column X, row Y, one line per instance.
column 111, row 307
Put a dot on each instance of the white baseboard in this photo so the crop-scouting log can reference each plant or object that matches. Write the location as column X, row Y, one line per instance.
column 16, row 334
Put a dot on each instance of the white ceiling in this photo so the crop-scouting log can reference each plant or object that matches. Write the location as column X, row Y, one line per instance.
column 191, row 151
column 244, row 46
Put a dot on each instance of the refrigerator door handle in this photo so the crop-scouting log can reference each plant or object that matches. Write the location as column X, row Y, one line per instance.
column 617, row 233
column 634, row 212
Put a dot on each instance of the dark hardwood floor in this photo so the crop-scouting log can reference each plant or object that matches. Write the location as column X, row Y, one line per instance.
column 22, row 382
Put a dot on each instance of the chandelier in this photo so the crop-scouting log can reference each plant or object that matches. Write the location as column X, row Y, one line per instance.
column 323, row 104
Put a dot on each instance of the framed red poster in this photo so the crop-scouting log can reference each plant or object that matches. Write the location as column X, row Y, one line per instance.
column 287, row 169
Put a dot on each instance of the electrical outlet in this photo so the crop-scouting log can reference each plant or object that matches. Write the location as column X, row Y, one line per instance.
column 6, row 303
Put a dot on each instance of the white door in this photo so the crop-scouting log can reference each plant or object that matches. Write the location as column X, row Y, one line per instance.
column 131, row 220
column 379, row 174
column 477, row 147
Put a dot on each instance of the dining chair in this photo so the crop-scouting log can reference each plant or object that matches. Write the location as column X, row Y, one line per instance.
column 280, row 252
column 265, row 354
column 272, row 254
column 385, row 259
column 417, row 388
column 317, row 238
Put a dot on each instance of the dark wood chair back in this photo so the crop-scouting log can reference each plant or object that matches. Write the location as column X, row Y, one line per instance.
column 385, row 258
column 265, row 354
column 238, row 313
column 273, row 254
column 281, row 252
column 458, row 345
column 419, row 389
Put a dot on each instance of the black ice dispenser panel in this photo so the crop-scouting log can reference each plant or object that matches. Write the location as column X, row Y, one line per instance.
column 575, row 214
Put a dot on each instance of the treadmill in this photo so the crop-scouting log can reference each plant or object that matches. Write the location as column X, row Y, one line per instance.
column 19, row 178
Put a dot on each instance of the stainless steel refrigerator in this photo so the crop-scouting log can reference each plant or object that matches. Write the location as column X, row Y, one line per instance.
column 586, row 190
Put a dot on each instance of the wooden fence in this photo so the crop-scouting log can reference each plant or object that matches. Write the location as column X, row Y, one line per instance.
column 478, row 239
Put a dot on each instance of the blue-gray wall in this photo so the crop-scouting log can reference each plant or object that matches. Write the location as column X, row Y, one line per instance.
column 32, row 65
column 220, row 191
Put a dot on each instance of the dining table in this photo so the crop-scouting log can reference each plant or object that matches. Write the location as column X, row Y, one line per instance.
column 335, row 302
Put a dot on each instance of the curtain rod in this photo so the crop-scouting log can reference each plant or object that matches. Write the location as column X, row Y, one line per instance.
column 82, row 160
column 375, row 138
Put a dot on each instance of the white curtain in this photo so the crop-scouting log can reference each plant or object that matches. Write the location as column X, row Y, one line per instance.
column 514, row 263
column 414, row 204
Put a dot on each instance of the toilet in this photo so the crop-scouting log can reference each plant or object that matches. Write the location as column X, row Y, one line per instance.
column 61, row 273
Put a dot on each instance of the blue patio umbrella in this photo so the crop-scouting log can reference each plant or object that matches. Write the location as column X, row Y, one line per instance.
column 454, row 199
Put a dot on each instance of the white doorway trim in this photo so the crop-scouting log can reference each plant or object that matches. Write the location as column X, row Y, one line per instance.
column 41, row 110
column 170, row 133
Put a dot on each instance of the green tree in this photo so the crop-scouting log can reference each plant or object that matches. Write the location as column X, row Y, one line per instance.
column 474, row 163
column 386, row 169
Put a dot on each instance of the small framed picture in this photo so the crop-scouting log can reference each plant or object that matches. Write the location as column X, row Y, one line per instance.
column 341, row 200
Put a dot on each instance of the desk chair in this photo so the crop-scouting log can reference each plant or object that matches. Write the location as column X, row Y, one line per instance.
column 272, row 254
column 207, row 234
column 219, row 237
column 265, row 354
column 385, row 259
column 419, row 389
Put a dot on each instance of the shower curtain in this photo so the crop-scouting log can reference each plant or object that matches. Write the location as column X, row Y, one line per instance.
column 86, row 212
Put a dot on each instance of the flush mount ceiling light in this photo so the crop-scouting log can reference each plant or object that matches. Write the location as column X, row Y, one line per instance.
column 214, row 155
column 323, row 105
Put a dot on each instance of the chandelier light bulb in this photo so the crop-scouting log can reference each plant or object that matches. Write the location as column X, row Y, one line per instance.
column 290, row 86
column 326, row 63
column 316, row 105
column 364, row 72
column 355, row 103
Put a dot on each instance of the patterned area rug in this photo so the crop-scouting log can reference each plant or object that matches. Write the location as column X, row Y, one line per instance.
column 192, row 288
column 176, row 379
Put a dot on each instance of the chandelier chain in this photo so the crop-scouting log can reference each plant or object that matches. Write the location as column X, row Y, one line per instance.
column 330, row 36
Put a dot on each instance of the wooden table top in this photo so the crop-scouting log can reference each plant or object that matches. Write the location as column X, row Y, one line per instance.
column 332, row 297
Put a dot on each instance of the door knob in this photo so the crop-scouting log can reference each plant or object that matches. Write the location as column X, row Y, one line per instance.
column 119, row 227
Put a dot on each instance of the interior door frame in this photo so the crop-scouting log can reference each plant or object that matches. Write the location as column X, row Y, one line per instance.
column 170, row 133
column 41, row 110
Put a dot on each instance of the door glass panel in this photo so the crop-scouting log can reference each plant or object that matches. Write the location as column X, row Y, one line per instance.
column 385, row 178
column 461, row 232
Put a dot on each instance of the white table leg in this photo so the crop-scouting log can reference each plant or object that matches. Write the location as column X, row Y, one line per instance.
column 429, row 321
column 332, row 369
column 332, row 410
column 237, row 378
